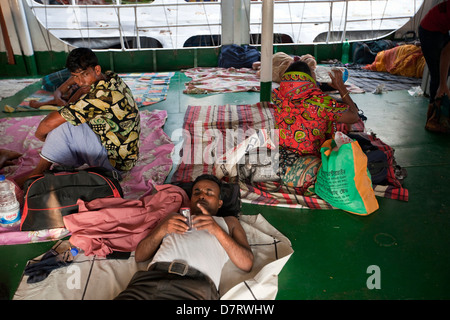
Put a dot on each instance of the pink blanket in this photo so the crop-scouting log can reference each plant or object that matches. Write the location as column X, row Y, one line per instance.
column 108, row 224
column 153, row 166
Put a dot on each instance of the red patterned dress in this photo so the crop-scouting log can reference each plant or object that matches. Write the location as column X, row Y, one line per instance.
column 305, row 116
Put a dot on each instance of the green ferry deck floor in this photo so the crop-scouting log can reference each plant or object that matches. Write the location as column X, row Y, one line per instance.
column 334, row 250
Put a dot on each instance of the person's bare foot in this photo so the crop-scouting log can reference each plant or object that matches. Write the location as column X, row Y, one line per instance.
column 6, row 157
column 35, row 104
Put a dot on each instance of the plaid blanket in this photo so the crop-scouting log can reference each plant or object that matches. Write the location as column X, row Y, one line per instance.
column 204, row 130
column 369, row 80
column 216, row 79
column 148, row 88
column 201, row 123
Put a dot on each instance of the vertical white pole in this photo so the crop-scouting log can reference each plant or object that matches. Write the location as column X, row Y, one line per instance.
column 227, row 22
column 266, row 50
column 21, row 24
column 330, row 22
column 345, row 22
column 136, row 26
column 235, row 22
column 237, row 13
column 23, row 33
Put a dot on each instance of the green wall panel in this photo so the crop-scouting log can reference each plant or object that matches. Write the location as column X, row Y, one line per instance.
column 151, row 60
column 12, row 70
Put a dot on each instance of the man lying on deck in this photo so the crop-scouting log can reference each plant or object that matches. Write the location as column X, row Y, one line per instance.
column 99, row 127
column 188, row 264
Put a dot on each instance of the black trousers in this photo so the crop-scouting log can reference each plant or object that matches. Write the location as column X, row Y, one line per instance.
column 432, row 44
column 158, row 283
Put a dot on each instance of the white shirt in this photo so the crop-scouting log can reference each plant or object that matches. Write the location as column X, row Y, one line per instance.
column 198, row 248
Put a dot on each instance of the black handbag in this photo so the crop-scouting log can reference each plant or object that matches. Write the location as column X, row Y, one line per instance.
column 237, row 56
column 52, row 195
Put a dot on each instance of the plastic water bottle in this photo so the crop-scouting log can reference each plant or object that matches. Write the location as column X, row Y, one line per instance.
column 345, row 51
column 9, row 206
column 322, row 73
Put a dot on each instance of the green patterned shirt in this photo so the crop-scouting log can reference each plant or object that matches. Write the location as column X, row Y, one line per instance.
column 110, row 110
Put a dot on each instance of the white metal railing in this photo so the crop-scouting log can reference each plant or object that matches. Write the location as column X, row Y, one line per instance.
column 172, row 22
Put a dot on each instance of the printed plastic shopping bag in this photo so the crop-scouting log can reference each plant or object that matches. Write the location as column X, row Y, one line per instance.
column 343, row 179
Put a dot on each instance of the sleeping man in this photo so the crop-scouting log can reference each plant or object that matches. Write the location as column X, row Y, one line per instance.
column 188, row 264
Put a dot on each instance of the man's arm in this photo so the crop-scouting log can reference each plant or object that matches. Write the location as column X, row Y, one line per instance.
column 444, row 65
column 79, row 94
column 173, row 223
column 235, row 243
column 238, row 249
column 50, row 122
column 62, row 91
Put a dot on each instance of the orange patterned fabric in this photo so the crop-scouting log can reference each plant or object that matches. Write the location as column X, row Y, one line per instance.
column 406, row 60
column 305, row 116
